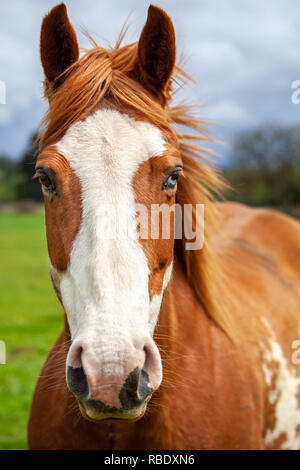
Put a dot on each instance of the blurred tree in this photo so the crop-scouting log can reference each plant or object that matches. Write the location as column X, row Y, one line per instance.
column 7, row 172
column 7, row 166
column 266, row 166
column 26, row 187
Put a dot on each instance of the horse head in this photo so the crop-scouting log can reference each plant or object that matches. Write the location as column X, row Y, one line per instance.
column 106, row 149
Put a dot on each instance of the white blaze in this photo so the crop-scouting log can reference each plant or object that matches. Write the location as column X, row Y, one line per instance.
column 105, row 288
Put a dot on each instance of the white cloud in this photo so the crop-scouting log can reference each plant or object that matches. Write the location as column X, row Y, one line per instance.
column 230, row 113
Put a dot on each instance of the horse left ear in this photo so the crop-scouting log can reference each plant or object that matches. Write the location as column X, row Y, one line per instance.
column 156, row 54
column 58, row 46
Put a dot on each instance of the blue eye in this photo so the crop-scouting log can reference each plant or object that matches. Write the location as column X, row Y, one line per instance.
column 171, row 181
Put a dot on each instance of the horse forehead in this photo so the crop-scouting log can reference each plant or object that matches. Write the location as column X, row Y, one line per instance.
column 111, row 142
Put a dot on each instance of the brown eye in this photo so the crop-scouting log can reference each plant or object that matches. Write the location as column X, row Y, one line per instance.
column 45, row 181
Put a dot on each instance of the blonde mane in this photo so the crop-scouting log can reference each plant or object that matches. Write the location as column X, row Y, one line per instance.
column 103, row 76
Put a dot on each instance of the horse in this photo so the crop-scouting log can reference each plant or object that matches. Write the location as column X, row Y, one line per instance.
column 163, row 346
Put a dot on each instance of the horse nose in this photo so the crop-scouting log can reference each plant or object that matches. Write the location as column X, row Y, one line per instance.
column 119, row 385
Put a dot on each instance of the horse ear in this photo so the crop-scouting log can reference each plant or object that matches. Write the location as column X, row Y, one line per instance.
column 156, row 53
column 58, row 45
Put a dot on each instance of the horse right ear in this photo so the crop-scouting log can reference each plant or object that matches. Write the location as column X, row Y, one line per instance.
column 58, row 46
column 156, row 54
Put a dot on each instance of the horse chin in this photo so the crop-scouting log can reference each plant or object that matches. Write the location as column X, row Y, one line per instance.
column 92, row 414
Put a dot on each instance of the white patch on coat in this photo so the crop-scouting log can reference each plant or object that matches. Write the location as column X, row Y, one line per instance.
column 105, row 287
column 285, row 394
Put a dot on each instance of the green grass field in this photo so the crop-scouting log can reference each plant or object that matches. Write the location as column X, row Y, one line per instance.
column 30, row 319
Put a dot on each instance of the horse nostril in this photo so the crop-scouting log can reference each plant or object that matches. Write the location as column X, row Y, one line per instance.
column 77, row 381
column 135, row 389
column 144, row 390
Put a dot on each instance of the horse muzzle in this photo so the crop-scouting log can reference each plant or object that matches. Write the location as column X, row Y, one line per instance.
column 113, row 390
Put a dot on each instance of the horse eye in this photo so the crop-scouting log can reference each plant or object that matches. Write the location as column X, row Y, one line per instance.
column 171, row 180
column 45, row 181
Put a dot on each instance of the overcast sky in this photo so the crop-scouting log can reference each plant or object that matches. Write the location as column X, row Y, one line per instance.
column 244, row 55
